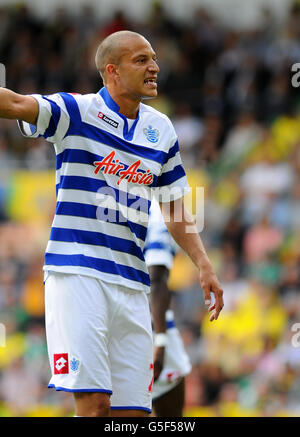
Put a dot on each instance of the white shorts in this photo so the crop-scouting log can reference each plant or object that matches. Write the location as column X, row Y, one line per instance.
column 99, row 339
column 176, row 361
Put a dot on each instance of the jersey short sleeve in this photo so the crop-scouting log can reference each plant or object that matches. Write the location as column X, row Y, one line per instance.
column 52, row 122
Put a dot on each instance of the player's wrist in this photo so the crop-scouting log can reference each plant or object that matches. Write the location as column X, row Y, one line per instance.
column 160, row 339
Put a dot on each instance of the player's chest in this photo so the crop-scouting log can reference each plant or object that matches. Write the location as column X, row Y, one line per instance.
column 134, row 154
column 126, row 166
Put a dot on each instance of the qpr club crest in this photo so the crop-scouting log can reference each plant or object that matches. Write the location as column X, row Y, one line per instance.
column 74, row 365
column 152, row 134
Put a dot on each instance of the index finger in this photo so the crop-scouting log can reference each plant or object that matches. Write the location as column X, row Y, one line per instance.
column 219, row 304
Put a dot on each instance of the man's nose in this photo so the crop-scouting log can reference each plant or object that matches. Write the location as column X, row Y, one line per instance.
column 154, row 66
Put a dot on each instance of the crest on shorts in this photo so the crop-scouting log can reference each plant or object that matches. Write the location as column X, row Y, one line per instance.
column 152, row 134
column 74, row 364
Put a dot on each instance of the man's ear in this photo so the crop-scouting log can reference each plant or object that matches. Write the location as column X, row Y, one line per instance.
column 112, row 71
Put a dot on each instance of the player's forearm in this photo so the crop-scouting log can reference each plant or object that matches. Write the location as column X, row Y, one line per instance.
column 158, row 309
column 17, row 107
column 160, row 296
column 185, row 233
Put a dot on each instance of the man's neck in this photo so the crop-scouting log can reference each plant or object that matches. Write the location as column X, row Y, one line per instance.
column 128, row 106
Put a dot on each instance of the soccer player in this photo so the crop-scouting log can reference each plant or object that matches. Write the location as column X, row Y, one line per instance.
column 98, row 322
column 171, row 362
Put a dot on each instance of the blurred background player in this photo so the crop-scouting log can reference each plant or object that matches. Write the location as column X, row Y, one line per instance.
column 171, row 362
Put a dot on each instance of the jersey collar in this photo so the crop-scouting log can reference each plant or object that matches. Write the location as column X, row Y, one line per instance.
column 111, row 104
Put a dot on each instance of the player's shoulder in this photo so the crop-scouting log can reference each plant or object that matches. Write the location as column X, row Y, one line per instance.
column 157, row 119
column 83, row 101
column 83, row 98
column 70, row 97
column 149, row 111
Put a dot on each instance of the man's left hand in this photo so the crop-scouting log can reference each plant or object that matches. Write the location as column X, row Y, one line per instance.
column 210, row 284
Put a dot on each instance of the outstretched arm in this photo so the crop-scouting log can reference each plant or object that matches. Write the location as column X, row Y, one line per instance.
column 192, row 244
column 18, row 107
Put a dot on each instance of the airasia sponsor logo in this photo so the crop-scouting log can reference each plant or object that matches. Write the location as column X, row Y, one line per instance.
column 110, row 165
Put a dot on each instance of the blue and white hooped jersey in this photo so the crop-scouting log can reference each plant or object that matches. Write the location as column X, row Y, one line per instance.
column 160, row 247
column 106, row 173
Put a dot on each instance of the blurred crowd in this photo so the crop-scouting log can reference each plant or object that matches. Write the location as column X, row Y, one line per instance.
column 237, row 116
